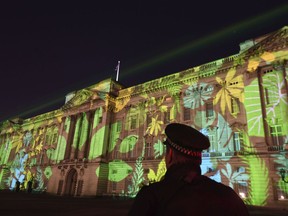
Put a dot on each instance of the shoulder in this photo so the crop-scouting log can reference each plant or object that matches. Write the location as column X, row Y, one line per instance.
column 150, row 189
column 145, row 201
column 218, row 187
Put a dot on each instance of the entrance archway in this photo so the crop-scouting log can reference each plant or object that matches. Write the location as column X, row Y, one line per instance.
column 71, row 181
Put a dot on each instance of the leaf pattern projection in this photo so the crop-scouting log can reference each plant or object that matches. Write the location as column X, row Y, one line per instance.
column 39, row 180
column 27, row 138
column 196, row 94
column 128, row 143
column 48, row 172
column 234, row 177
column 282, row 160
column 155, row 126
column 259, row 175
column 274, row 84
column 231, row 87
column 159, row 149
column 158, row 176
column 118, row 170
column 137, row 178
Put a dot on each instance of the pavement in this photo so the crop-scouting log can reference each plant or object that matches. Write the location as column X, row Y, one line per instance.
column 21, row 203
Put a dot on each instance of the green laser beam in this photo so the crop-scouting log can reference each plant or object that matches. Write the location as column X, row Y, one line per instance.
column 211, row 38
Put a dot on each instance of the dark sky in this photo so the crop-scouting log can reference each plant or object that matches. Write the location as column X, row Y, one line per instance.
column 49, row 49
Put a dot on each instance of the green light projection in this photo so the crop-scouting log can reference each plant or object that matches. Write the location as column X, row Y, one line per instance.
column 128, row 143
column 96, row 146
column 223, row 34
column 258, row 174
column 250, row 177
column 62, row 141
column 254, row 174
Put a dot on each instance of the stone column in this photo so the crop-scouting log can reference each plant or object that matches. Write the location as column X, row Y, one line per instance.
column 75, row 141
column 90, row 117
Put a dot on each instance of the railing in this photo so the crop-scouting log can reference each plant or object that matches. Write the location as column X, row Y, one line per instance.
column 276, row 148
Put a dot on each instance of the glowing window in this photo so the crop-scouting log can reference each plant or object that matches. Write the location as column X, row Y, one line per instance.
column 133, row 122
column 47, row 139
column 276, row 133
column 148, row 150
column 281, row 189
column 119, row 126
column 242, row 188
column 54, row 139
column 235, row 105
column 237, row 140
column 132, row 151
column 213, row 141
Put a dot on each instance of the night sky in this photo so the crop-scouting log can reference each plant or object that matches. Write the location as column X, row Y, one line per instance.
column 50, row 49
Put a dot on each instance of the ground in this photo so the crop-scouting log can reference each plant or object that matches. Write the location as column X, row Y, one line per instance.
column 22, row 203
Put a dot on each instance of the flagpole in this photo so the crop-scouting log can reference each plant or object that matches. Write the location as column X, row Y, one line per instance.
column 118, row 68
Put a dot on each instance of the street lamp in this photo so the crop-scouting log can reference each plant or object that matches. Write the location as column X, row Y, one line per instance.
column 283, row 175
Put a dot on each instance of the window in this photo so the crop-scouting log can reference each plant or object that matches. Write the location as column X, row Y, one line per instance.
column 213, row 140
column 133, row 122
column 167, row 116
column 47, row 139
column 54, row 139
column 209, row 110
column 282, row 190
column 128, row 182
column 276, row 133
column 235, row 105
column 187, row 115
column 237, row 140
column 148, row 150
column 118, row 126
column 132, row 151
column 242, row 188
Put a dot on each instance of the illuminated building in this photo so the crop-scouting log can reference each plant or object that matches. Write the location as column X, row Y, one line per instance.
column 107, row 139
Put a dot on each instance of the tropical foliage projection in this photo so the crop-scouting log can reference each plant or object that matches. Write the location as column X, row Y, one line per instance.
column 107, row 139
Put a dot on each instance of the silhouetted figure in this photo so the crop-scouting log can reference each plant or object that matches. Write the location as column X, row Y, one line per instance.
column 17, row 189
column 184, row 191
column 29, row 186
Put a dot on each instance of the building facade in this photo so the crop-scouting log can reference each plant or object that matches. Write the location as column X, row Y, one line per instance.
column 107, row 139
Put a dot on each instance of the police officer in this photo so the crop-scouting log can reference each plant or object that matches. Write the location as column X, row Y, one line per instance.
column 184, row 191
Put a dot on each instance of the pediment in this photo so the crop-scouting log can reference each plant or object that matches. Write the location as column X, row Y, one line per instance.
column 94, row 92
column 79, row 97
column 270, row 43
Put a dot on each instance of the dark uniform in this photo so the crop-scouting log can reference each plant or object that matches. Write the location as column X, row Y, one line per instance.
column 176, row 196
column 184, row 191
